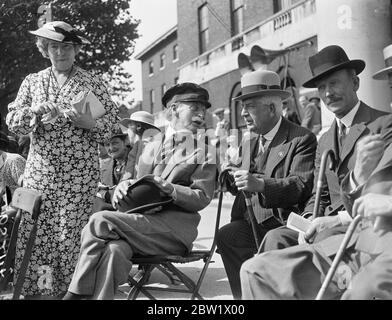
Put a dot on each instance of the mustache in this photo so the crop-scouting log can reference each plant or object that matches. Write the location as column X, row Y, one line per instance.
column 332, row 99
column 199, row 120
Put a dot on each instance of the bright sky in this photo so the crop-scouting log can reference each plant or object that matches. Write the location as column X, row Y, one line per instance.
column 156, row 17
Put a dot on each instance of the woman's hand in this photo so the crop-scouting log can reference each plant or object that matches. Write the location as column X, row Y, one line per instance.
column 48, row 109
column 82, row 120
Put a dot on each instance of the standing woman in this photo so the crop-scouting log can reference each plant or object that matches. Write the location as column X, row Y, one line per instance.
column 63, row 160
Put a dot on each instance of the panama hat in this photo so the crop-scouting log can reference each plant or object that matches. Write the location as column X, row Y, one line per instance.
column 329, row 60
column 141, row 196
column 140, row 116
column 261, row 83
column 60, row 31
column 383, row 73
column 186, row 92
column 219, row 110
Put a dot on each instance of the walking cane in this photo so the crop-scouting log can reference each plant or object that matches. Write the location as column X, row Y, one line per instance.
column 338, row 256
column 252, row 218
column 324, row 157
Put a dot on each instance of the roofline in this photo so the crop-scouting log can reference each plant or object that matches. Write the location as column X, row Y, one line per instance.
column 156, row 42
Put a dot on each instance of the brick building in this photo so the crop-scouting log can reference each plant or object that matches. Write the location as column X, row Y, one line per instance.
column 218, row 40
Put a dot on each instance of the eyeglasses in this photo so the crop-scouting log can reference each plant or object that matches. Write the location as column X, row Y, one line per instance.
column 195, row 107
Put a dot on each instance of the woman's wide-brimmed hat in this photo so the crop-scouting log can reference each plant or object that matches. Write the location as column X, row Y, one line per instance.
column 261, row 83
column 60, row 31
column 329, row 60
column 383, row 73
column 140, row 116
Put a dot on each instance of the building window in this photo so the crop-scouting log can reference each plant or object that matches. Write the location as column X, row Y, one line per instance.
column 151, row 68
column 162, row 60
column 163, row 89
column 175, row 52
column 277, row 5
column 237, row 16
column 152, row 100
column 176, row 80
column 203, row 28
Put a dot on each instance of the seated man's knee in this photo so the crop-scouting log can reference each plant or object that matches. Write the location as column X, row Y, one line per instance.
column 225, row 235
column 279, row 238
column 98, row 224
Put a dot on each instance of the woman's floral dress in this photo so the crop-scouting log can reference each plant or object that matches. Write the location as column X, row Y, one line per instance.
column 63, row 166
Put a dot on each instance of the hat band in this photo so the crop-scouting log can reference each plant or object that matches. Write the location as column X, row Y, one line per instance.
column 259, row 87
column 324, row 67
column 388, row 62
column 69, row 36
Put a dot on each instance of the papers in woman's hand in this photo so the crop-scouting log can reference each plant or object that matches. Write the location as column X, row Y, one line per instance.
column 82, row 99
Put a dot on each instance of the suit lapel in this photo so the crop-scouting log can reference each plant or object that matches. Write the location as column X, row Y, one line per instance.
column 277, row 148
column 361, row 118
column 386, row 160
column 247, row 150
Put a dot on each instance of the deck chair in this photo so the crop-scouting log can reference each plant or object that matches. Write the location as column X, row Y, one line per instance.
column 29, row 201
column 165, row 264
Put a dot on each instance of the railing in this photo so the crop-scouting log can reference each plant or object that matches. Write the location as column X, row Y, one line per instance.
column 276, row 23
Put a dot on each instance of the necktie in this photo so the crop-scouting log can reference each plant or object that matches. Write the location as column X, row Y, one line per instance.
column 262, row 141
column 342, row 135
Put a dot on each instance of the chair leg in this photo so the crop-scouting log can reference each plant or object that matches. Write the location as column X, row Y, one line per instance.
column 138, row 285
column 195, row 292
column 188, row 282
column 168, row 274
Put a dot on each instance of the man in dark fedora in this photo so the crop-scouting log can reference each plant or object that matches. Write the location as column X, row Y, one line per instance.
column 181, row 171
column 305, row 258
column 275, row 167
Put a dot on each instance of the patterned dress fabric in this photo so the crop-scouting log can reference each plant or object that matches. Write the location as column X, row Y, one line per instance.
column 63, row 166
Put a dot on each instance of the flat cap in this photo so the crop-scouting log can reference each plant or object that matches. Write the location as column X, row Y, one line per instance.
column 186, row 92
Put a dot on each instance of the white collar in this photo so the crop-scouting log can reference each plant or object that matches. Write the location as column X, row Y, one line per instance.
column 348, row 119
column 272, row 133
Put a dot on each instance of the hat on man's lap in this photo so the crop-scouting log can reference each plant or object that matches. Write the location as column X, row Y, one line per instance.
column 143, row 195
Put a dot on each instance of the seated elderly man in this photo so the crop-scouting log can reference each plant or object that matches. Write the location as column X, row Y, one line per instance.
column 182, row 172
column 296, row 272
column 276, row 166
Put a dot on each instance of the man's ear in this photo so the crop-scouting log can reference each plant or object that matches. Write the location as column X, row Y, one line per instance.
column 272, row 108
column 356, row 82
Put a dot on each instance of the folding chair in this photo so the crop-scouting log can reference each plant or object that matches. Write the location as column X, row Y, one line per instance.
column 165, row 264
column 27, row 200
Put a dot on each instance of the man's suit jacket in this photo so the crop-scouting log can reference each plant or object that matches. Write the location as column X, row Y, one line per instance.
column 191, row 172
column 366, row 121
column 380, row 182
column 288, row 174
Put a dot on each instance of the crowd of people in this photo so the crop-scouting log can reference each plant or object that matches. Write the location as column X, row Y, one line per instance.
column 92, row 217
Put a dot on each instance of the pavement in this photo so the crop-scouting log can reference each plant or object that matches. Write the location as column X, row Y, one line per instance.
column 215, row 285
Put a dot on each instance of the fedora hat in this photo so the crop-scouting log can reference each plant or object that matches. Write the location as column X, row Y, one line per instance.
column 186, row 92
column 261, row 83
column 142, row 195
column 60, row 31
column 328, row 60
column 383, row 73
column 140, row 116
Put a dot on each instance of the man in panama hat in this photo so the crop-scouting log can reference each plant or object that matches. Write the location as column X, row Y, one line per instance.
column 305, row 257
column 276, row 167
